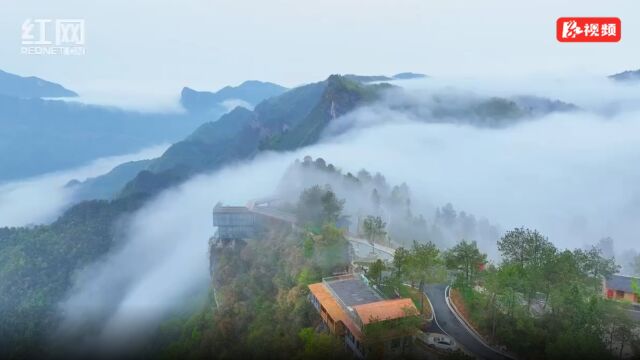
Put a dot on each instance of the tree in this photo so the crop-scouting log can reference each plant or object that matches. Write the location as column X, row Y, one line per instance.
column 531, row 252
column 373, row 227
column 525, row 247
column 309, row 207
column 317, row 206
column 447, row 215
column 307, row 246
column 563, row 269
column 575, row 320
column 509, row 281
column 465, row 256
column 380, row 182
column 364, row 176
column 321, row 346
column 375, row 271
column 422, row 264
column 635, row 288
column 467, row 224
column 401, row 259
column 493, row 287
column 399, row 195
column 320, row 163
column 331, row 206
column 594, row 265
column 331, row 249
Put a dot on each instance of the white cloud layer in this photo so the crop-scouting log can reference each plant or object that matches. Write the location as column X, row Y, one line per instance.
column 41, row 199
column 573, row 176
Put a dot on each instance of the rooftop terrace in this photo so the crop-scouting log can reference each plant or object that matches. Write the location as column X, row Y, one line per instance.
column 351, row 299
column 352, row 290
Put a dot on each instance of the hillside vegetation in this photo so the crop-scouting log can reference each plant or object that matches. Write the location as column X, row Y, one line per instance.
column 37, row 266
column 543, row 302
column 261, row 291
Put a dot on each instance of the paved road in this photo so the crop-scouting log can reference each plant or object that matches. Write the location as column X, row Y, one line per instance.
column 363, row 249
column 635, row 315
column 448, row 322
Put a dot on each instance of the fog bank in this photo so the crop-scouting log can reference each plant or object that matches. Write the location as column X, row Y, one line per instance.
column 42, row 199
column 126, row 99
column 163, row 260
column 594, row 93
column 572, row 176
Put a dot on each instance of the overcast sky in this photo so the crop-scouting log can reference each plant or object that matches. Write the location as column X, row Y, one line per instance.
column 154, row 46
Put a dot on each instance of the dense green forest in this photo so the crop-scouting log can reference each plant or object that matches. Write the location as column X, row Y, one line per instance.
column 37, row 266
column 541, row 301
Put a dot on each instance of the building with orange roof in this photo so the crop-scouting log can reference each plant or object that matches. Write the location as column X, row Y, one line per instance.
column 384, row 310
column 351, row 309
column 621, row 287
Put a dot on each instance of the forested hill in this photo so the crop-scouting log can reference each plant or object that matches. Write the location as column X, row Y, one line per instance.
column 289, row 121
column 37, row 264
column 261, row 308
column 37, row 267
column 369, row 194
column 297, row 118
column 286, row 122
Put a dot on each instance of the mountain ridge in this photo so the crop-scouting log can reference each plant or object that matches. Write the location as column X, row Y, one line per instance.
column 250, row 91
column 31, row 87
column 67, row 134
column 285, row 122
column 295, row 119
column 63, row 135
column 628, row 75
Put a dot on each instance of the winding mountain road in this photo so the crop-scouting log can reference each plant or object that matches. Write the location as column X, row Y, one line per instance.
column 444, row 319
column 447, row 321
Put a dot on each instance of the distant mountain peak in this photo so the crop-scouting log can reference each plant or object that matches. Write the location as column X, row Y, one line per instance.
column 31, row 87
column 409, row 75
column 629, row 75
column 250, row 91
column 256, row 82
